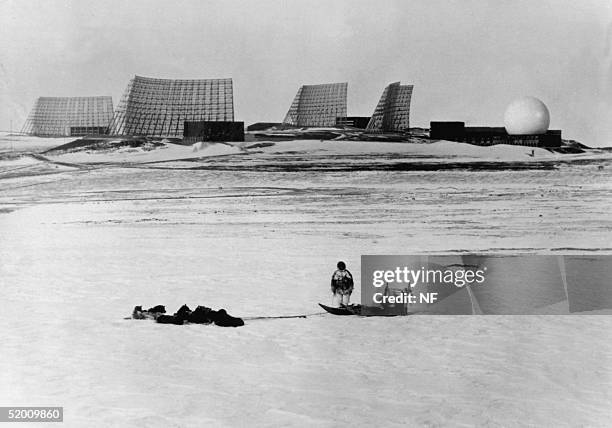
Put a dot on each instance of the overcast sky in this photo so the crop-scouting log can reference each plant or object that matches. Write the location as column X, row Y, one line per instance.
column 467, row 59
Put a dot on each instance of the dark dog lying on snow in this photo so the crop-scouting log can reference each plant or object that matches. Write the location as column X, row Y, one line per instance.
column 148, row 314
column 201, row 315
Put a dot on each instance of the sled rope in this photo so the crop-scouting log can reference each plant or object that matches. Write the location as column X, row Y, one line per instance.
column 283, row 316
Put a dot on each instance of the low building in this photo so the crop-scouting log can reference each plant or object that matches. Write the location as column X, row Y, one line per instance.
column 203, row 130
column 359, row 122
column 488, row 136
column 262, row 126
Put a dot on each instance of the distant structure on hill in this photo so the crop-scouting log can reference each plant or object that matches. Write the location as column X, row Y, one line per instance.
column 318, row 105
column 488, row 136
column 69, row 116
column 359, row 122
column 261, row 126
column 160, row 107
column 213, row 131
column 392, row 114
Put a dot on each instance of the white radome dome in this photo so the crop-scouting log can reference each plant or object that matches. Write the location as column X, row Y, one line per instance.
column 526, row 116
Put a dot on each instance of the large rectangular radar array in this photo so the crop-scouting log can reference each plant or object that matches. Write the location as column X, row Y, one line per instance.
column 69, row 116
column 392, row 114
column 318, row 105
column 160, row 107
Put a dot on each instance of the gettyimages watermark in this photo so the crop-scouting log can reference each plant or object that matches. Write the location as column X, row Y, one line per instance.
column 485, row 284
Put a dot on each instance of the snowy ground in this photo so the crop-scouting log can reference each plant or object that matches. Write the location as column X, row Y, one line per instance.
column 258, row 232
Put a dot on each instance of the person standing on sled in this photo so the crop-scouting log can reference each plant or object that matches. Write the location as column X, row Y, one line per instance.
column 342, row 284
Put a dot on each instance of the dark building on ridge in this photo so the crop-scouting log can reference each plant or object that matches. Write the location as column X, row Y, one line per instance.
column 262, row 126
column 359, row 122
column 195, row 131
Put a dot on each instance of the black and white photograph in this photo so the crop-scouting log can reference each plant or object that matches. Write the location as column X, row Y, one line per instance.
column 306, row 213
